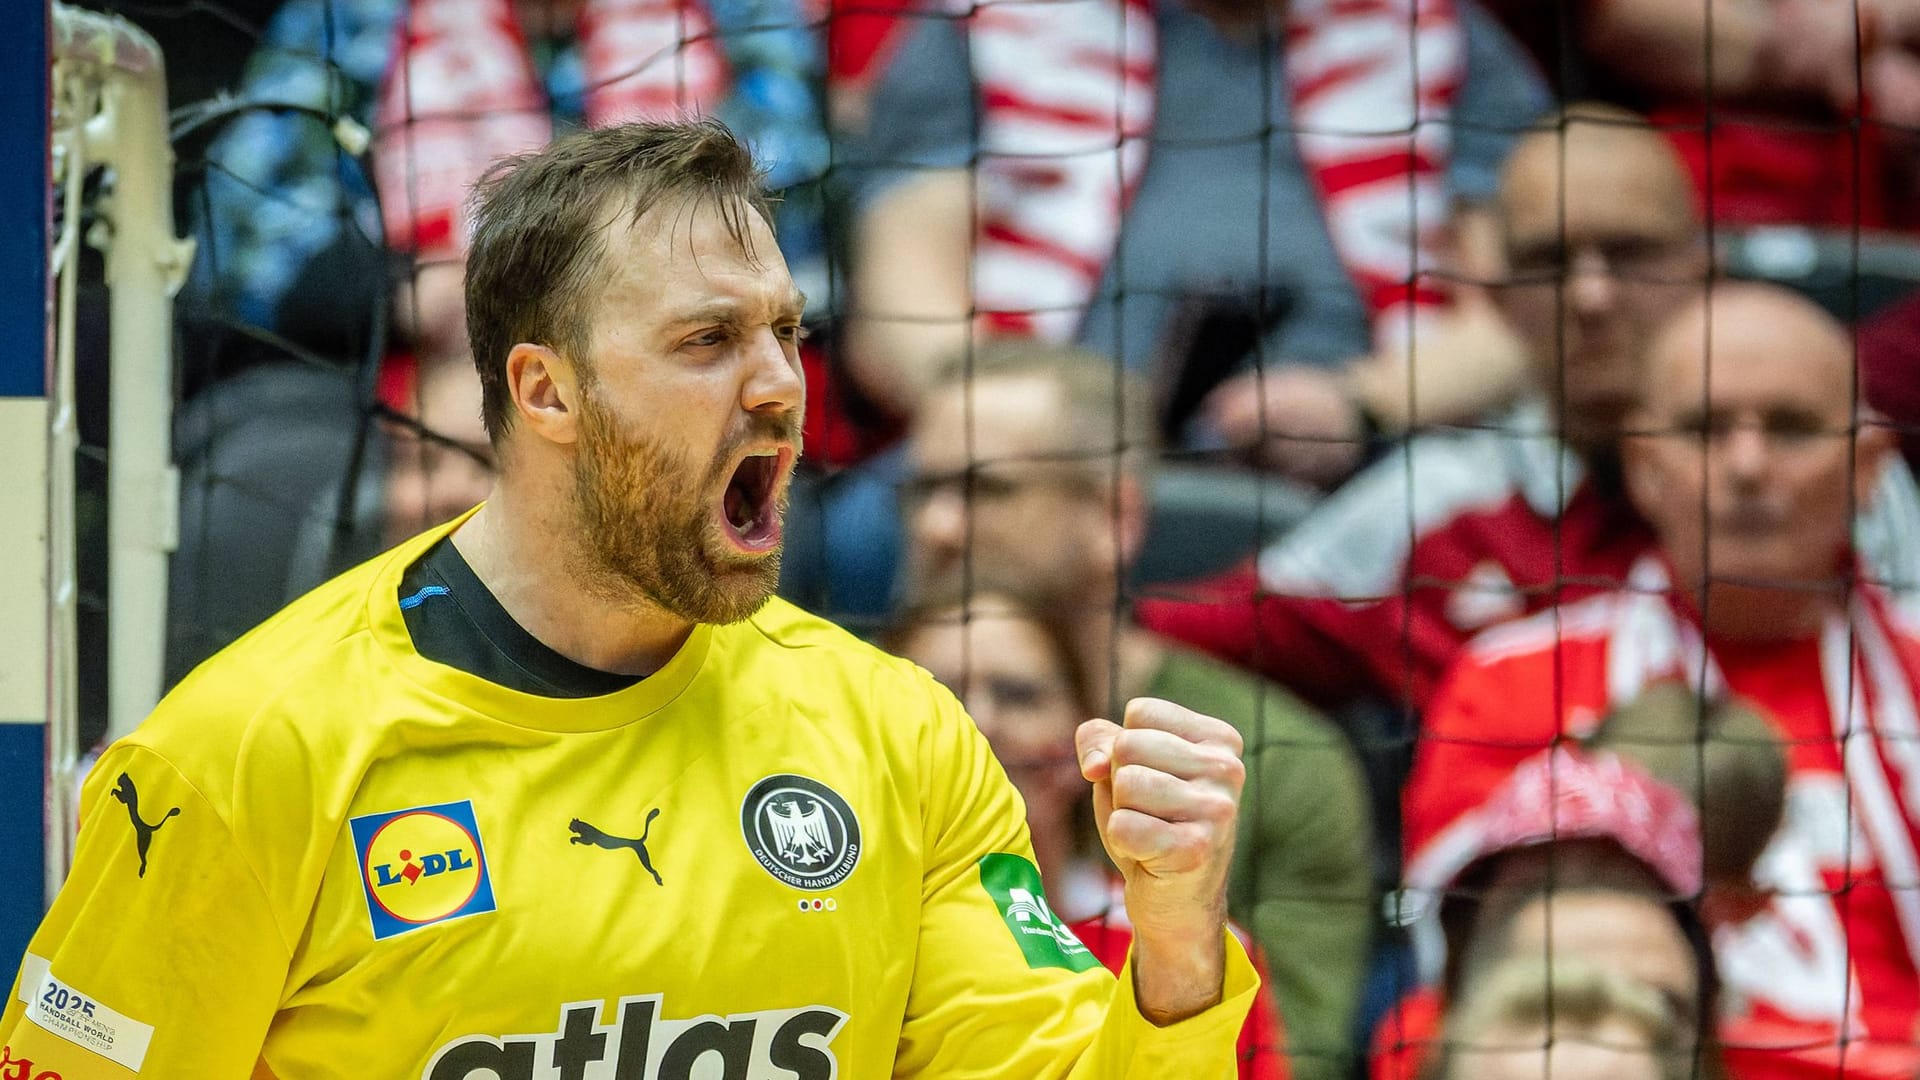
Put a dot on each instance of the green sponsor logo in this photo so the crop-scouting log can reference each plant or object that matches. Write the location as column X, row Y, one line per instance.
column 1044, row 939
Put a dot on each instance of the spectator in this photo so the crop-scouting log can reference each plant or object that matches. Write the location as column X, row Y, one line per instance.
column 1727, row 760
column 1374, row 595
column 1012, row 665
column 1565, row 1019
column 1014, row 473
column 1162, row 182
column 1785, row 111
column 1890, row 371
column 1574, row 856
column 1748, row 464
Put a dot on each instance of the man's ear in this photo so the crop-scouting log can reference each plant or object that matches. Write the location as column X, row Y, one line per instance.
column 1873, row 446
column 546, row 392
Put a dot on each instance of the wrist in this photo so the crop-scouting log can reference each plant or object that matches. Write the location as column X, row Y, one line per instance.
column 1178, row 975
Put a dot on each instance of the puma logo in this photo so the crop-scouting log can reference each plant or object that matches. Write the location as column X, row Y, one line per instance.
column 584, row 833
column 142, row 832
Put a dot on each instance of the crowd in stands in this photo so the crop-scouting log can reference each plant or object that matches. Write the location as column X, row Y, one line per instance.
column 1582, row 699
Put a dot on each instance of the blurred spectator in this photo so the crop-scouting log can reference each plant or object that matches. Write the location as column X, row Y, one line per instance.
column 1012, row 665
column 1748, row 464
column 1785, row 111
column 305, row 248
column 1015, row 474
column 1889, row 344
column 1572, row 857
column 1453, row 532
column 1201, row 189
column 1727, row 760
column 1564, row 1019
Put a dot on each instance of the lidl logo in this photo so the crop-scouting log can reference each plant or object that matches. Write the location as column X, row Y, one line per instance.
column 421, row 866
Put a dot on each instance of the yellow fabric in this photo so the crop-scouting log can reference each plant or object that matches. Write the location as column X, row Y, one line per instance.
column 250, row 945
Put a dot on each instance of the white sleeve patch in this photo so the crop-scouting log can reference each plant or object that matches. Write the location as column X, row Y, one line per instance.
column 80, row 1018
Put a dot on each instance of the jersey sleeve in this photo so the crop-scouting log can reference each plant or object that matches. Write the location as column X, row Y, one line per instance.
column 160, row 955
column 1001, row 986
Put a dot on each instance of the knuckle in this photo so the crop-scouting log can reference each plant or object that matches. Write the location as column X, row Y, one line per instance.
column 1218, row 807
column 1229, row 737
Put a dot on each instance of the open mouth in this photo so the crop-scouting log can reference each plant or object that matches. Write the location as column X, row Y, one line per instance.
column 749, row 509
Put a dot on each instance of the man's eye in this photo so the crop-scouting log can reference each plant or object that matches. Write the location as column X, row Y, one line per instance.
column 795, row 333
column 708, row 339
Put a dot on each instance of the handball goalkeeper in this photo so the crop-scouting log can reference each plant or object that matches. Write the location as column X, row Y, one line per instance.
column 559, row 791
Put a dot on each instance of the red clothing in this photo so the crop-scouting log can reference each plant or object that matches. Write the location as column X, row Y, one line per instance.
column 1263, row 1041
column 1406, row 1035
column 1889, row 348
column 1375, row 594
column 1784, row 169
column 1829, row 955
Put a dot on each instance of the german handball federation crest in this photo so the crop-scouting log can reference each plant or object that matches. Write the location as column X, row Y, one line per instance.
column 801, row 831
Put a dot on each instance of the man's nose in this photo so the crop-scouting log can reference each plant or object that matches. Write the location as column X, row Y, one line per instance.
column 1744, row 453
column 773, row 382
column 939, row 523
column 1591, row 288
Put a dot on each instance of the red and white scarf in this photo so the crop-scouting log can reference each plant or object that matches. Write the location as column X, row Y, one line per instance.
column 1871, row 697
column 461, row 91
column 1067, row 96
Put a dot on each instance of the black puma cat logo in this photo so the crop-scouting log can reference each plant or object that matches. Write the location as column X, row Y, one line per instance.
column 584, row 833
column 142, row 832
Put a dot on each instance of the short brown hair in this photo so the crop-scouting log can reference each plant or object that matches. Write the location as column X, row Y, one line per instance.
column 1108, row 409
column 539, row 225
column 1725, row 757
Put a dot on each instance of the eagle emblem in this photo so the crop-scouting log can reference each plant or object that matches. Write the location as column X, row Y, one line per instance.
column 801, row 831
column 800, row 835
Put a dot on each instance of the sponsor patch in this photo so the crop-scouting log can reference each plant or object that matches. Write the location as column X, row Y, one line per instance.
column 637, row 1041
column 421, row 866
column 1044, row 939
column 801, row 831
column 81, row 1018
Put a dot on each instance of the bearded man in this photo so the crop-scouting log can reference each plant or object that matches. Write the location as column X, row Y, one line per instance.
column 385, row 834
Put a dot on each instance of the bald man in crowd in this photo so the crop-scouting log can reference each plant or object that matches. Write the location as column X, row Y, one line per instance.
column 1456, row 531
column 1748, row 458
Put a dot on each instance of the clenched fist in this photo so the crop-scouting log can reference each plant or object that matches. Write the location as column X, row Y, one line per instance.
column 1166, row 794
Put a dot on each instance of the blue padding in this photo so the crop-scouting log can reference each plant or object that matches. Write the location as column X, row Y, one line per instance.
column 22, row 842
column 24, row 192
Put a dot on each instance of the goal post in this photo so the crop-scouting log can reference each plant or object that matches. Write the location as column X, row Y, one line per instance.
column 25, row 331
column 89, row 165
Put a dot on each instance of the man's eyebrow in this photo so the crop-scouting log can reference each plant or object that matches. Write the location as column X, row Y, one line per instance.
column 729, row 312
column 720, row 311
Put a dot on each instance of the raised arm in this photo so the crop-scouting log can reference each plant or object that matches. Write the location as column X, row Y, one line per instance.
column 1002, row 987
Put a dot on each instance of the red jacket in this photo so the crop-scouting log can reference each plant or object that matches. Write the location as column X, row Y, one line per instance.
column 1453, row 532
column 1374, row 594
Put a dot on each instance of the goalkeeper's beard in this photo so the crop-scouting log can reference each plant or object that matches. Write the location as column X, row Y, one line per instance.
column 651, row 529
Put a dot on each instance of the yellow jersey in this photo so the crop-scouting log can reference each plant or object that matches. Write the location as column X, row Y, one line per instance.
column 783, row 856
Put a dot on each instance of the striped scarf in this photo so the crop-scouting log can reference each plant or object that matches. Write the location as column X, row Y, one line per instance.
column 462, row 91
column 1067, row 105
